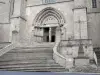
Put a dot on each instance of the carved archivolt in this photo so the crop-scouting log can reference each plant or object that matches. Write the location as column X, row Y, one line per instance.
column 49, row 15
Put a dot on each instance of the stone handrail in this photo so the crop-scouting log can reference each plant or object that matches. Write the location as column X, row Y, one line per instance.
column 7, row 48
column 60, row 59
column 57, row 56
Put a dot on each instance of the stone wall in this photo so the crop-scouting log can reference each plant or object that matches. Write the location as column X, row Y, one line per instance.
column 64, row 8
column 93, row 16
column 94, row 28
column 90, row 8
column 18, row 21
column 4, row 21
column 5, row 33
column 71, row 48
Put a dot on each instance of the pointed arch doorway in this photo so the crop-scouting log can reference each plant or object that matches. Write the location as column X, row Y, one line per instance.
column 45, row 33
column 46, row 23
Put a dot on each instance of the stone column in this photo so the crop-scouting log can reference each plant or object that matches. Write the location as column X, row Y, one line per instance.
column 42, row 35
column 50, row 29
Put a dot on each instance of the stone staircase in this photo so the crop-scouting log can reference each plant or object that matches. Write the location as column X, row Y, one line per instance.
column 97, row 51
column 3, row 44
column 35, row 59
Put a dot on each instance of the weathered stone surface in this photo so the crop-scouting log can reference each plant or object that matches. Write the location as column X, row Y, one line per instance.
column 80, row 24
column 81, row 61
column 69, row 62
column 4, row 13
column 93, row 28
column 71, row 16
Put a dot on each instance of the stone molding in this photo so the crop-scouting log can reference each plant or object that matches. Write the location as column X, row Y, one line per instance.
column 18, row 17
column 45, row 13
column 49, row 3
column 2, row 3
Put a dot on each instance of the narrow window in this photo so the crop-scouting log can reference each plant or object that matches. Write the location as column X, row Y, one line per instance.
column 94, row 3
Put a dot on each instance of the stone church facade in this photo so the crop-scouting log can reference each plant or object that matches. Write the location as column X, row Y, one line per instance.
column 59, row 15
column 72, row 25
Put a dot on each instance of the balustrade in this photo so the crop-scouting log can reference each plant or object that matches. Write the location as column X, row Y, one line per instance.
column 66, row 62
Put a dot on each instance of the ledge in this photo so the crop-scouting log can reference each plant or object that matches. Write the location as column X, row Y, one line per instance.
column 79, row 7
column 49, row 3
column 81, row 57
column 18, row 17
column 78, row 40
column 5, row 42
column 93, row 10
column 4, row 23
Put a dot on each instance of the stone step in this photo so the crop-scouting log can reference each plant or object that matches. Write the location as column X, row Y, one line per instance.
column 28, row 65
column 22, row 59
column 46, row 70
column 37, row 46
column 32, row 50
column 25, row 57
column 31, row 54
column 7, row 58
column 45, row 44
column 18, row 56
column 34, row 68
column 37, row 70
column 33, row 61
column 6, row 64
column 39, row 58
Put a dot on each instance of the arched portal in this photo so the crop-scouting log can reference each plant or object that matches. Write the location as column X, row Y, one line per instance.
column 45, row 24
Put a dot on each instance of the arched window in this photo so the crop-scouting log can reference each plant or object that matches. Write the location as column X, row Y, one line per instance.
column 48, row 1
column 94, row 3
